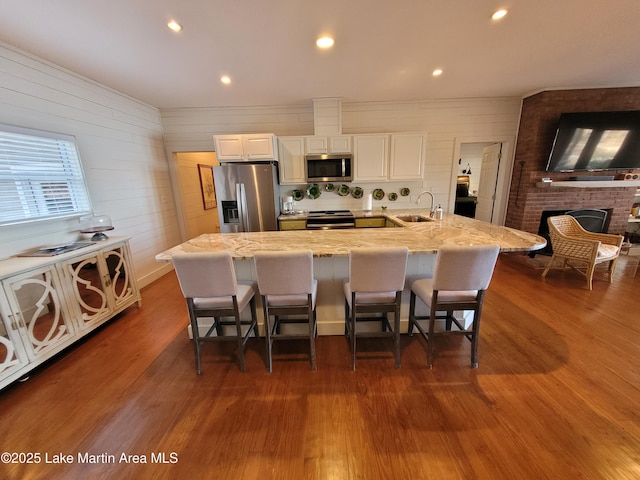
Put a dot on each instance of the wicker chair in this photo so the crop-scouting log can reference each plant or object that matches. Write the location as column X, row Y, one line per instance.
column 573, row 244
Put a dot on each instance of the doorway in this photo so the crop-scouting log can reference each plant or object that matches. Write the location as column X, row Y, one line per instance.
column 195, row 216
column 487, row 164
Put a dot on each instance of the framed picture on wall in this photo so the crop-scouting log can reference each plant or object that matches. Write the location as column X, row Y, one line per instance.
column 206, row 184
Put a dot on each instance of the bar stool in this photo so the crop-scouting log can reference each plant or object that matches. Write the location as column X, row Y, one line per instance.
column 460, row 277
column 376, row 281
column 208, row 283
column 287, row 287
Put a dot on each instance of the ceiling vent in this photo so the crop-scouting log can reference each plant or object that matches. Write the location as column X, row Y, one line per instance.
column 327, row 116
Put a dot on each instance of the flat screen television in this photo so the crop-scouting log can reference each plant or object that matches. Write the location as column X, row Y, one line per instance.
column 593, row 141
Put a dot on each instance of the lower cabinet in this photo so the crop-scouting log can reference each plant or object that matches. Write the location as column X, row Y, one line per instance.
column 48, row 307
column 370, row 222
column 298, row 224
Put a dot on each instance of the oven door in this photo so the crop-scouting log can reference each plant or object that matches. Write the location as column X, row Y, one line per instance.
column 330, row 222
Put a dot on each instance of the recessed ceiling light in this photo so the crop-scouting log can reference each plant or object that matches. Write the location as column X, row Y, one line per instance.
column 325, row 42
column 225, row 79
column 498, row 14
column 437, row 72
column 175, row 26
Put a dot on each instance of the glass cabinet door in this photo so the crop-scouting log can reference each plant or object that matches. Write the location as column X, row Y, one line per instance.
column 119, row 277
column 12, row 355
column 40, row 315
column 88, row 289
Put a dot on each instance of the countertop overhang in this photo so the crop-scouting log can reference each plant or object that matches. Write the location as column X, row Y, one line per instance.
column 418, row 237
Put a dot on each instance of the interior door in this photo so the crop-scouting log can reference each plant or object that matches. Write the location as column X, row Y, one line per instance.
column 489, row 170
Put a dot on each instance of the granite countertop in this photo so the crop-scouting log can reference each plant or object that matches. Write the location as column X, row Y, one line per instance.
column 419, row 237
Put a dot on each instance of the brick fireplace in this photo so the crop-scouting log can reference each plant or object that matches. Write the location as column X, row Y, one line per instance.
column 538, row 122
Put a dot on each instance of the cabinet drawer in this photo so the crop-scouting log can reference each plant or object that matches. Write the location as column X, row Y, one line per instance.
column 293, row 224
column 375, row 222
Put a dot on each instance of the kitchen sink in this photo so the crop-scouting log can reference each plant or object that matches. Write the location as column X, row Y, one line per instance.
column 414, row 218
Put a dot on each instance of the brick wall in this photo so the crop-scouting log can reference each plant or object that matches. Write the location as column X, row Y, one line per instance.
column 538, row 123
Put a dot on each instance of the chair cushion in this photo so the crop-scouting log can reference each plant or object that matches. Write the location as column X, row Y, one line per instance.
column 423, row 288
column 365, row 297
column 605, row 250
column 293, row 300
column 244, row 295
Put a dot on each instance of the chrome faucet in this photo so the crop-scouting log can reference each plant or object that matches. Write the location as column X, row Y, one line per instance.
column 432, row 211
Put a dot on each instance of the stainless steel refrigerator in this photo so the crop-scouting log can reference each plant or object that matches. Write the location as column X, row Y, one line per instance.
column 247, row 196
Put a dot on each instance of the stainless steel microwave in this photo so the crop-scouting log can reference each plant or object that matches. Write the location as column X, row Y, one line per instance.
column 329, row 168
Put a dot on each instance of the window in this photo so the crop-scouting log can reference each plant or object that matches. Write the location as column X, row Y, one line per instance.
column 40, row 176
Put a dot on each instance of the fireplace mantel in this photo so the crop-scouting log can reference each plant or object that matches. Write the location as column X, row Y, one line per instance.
column 591, row 184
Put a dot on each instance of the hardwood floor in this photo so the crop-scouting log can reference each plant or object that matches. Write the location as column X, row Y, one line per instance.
column 556, row 395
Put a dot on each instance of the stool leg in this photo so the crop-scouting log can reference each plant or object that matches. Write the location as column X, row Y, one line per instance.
column 431, row 339
column 254, row 317
column 353, row 331
column 312, row 327
column 346, row 318
column 267, row 333
column 194, row 334
column 412, row 312
column 239, row 334
column 396, row 329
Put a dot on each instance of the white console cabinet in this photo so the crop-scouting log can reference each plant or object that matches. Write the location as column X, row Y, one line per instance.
column 48, row 303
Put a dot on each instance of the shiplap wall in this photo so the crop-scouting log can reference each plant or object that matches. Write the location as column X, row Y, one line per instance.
column 447, row 123
column 121, row 148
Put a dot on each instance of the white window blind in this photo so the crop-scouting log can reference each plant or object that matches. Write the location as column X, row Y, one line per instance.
column 40, row 176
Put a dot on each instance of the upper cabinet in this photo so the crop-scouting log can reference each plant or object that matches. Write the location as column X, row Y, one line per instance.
column 246, row 148
column 407, row 155
column 376, row 157
column 370, row 155
column 332, row 144
column 380, row 157
column 291, row 164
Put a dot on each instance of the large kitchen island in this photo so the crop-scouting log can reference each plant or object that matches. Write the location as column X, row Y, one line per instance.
column 411, row 228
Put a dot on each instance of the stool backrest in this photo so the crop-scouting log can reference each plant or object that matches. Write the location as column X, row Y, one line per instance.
column 284, row 273
column 377, row 269
column 205, row 274
column 464, row 268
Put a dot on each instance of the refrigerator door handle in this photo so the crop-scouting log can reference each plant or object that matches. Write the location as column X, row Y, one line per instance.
column 243, row 214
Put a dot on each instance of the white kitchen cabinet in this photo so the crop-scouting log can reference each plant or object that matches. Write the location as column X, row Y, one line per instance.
column 407, row 156
column 370, row 154
column 340, row 144
column 334, row 144
column 291, row 163
column 249, row 147
column 316, row 145
column 228, row 148
column 260, row 146
column 47, row 303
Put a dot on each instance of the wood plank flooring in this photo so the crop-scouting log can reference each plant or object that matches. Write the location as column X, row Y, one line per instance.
column 556, row 396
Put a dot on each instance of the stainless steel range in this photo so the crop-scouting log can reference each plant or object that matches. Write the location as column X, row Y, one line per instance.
column 330, row 219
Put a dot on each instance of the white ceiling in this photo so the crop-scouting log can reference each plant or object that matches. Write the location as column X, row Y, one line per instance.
column 385, row 50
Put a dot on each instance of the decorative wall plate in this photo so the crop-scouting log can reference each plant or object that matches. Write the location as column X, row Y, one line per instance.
column 313, row 191
column 378, row 194
column 329, row 187
column 393, row 196
column 297, row 195
column 343, row 191
column 356, row 192
column 405, row 191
